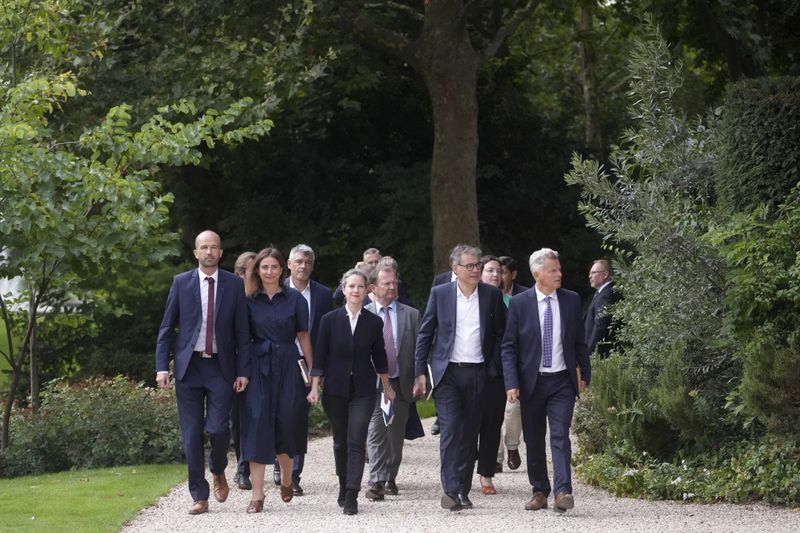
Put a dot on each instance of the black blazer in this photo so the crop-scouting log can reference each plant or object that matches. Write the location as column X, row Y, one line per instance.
column 597, row 324
column 338, row 354
column 442, row 277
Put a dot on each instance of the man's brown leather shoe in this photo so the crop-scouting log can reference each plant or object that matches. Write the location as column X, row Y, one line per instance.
column 514, row 460
column 564, row 502
column 199, row 507
column 221, row 489
column 538, row 501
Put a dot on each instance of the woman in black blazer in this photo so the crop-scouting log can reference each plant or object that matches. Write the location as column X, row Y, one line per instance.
column 348, row 355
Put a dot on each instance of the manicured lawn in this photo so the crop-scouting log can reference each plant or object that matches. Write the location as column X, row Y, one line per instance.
column 85, row 500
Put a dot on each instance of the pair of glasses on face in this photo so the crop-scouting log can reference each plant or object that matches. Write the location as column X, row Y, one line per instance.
column 471, row 266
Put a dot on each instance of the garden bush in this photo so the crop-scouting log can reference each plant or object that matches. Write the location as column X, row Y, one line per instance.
column 97, row 422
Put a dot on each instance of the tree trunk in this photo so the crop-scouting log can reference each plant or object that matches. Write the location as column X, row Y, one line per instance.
column 15, row 375
column 591, row 101
column 449, row 66
column 34, row 370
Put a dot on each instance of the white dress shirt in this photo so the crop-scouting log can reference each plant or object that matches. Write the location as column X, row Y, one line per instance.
column 353, row 319
column 467, row 343
column 200, row 345
column 558, row 363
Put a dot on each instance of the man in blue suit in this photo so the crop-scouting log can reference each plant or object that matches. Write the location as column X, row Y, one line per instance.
column 461, row 330
column 210, row 362
column 546, row 365
column 320, row 300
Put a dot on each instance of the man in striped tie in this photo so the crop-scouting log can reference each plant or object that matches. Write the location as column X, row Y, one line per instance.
column 546, row 366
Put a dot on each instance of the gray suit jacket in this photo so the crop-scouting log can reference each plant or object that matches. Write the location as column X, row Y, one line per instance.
column 407, row 329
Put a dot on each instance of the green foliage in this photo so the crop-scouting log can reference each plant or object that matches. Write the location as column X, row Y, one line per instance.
column 759, row 143
column 653, row 207
column 94, row 423
column 740, row 472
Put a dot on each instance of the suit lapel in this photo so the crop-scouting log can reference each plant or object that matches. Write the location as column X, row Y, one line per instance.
column 313, row 307
column 195, row 284
column 537, row 328
column 218, row 297
column 561, row 313
column 483, row 310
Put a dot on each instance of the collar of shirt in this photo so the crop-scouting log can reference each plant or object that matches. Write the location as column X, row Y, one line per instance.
column 203, row 276
column 350, row 315
column 392, row 306
column 540, row 296
column 469, row 298
column 305, row 292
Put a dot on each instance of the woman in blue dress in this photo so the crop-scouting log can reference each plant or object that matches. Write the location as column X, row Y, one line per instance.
column 275, row 399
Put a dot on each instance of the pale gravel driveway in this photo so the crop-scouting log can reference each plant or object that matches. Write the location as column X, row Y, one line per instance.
column 416, row 508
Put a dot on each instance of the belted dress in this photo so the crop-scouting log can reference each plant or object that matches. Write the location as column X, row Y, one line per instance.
column 276, row 395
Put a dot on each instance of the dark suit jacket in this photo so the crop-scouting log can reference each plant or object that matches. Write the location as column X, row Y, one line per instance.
column 522, row 342
column 407, row 328
column 438, row 329
column 339, row 353
column 518, row 289
column 184, row 310
column 598, row 321
column 442, row 277
column 321, row 303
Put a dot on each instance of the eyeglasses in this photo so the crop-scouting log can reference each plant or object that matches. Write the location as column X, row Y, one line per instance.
column 597, row 272
column 471, row 266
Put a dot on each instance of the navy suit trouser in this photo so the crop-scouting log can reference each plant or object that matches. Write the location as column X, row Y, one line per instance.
column 204, row 404
column 551, row 403
column 491, row 422
column 459, row 398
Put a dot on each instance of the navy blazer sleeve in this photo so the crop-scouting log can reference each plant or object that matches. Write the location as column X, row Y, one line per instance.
column 166, row 331
column 427, row 330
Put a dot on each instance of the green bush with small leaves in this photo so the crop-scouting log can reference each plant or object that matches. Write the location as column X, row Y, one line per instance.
column 95, row 423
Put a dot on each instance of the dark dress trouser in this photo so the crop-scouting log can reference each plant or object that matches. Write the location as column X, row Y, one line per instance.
column 203, row 394
column 349, row 418
column 491, row 422
column 460, row 401
column 552, row 401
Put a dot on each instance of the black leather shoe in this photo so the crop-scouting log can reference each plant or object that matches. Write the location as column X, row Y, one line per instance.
column 297, row 489
column 391, row 488
column 451, row 502
column 465, row 502
column 514, row 460
column 350, row 502
column 244, row 482
column 375, row 492
column 342, row 492
column 276, row 477
column 435, row 428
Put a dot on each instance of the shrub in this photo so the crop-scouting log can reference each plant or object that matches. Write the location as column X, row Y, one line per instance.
column 94, row 423
column 738, row 472
column 759, row 143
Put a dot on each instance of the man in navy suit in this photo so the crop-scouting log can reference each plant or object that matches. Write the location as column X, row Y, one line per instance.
column 543, row 350
column 210, row 362
column 599, row 334
column 461, row 330
column 320, row 300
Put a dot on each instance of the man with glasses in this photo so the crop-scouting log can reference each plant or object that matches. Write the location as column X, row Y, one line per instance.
column 597, row 324
column 461, row 329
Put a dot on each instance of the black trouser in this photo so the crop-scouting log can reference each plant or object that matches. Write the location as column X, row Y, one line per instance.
column 349, row 418
column 491, row 422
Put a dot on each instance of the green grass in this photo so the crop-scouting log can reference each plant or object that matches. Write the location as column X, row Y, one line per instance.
column 83, row 500
column 426, row 409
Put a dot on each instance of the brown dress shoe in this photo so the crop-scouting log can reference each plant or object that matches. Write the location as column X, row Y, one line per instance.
column 199, row 507
column 564, row 502
column 538, row 501
column 287, row 493
column 255, row 506
column 514, row 460
column 221, row 489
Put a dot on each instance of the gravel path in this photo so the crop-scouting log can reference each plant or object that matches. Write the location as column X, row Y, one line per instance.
column 416, row 508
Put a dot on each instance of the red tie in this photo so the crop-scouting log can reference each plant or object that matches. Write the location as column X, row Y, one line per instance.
column 210, row 317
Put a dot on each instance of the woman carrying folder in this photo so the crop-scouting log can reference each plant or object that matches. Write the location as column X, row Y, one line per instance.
column 274, row 402
column 348, row 354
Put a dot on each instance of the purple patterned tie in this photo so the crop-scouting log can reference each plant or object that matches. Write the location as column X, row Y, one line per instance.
column 388, row 340
column 547, row 338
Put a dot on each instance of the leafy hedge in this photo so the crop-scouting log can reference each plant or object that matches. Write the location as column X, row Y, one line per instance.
column 739, row 472
column 759, row 143
column 94, row 423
